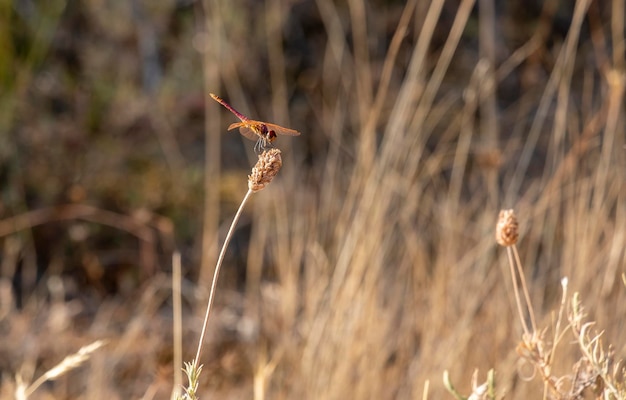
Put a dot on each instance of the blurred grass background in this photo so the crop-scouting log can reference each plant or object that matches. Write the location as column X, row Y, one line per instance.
column 369, row 266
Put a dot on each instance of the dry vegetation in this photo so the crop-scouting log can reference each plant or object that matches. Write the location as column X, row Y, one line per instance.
column 369, row 266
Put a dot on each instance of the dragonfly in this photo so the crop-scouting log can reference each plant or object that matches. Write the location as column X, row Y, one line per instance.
column 263, row 132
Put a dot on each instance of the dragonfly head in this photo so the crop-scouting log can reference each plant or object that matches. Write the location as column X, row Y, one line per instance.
column 269, row 135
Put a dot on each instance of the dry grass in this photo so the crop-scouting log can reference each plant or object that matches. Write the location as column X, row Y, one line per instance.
column 371, row 266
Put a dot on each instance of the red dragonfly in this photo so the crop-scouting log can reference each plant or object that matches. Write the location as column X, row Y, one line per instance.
column 263, row 132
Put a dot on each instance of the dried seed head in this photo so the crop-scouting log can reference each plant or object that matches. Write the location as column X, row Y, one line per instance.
column 73, row 361
column 265, row 169
column 506, row 229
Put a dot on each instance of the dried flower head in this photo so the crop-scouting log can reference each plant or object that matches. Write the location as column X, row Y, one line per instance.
column 69, row 363
column 507, row 228
column 265, row 169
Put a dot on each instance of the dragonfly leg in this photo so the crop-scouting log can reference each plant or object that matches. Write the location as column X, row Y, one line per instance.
column 259, row 147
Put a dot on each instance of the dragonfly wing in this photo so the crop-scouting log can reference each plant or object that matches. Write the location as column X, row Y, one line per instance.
column 281, row 130
column 245, row 130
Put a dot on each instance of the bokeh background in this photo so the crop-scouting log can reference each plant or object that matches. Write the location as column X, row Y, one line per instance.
column 369, row 266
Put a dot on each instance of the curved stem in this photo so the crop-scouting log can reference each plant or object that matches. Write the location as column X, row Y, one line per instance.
column 216, row 274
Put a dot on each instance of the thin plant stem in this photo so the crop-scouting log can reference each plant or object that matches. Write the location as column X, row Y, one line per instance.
column 178, row 325
column 211, row 27
column 509, row 252
column 216, row 274
column 531, row 313
column 557, row 332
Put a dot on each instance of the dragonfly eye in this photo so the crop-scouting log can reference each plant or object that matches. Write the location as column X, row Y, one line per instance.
column 271, row 135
